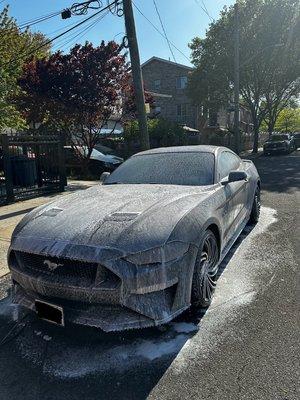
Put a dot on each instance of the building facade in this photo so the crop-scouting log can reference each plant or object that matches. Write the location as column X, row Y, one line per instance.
column 224, row 119
column 167, row 81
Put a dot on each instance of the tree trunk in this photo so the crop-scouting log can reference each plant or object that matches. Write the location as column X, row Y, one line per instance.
column 271, row 128
column 270, row 132
column 256, row 135
column 271, row 125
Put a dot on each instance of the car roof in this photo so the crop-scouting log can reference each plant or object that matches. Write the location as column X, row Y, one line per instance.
column 184, row 149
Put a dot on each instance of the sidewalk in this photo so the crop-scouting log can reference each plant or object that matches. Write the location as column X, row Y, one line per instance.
column 11, row 214
column 250, row 155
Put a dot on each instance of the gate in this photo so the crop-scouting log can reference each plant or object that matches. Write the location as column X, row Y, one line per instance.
column 30, row 165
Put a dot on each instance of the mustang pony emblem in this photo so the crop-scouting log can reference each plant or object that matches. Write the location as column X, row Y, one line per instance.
column 51, row 265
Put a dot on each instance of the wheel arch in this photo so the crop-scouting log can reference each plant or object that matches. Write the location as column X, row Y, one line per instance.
column 216, row 229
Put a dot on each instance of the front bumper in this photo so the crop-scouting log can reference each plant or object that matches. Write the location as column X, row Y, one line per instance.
column 141, row 296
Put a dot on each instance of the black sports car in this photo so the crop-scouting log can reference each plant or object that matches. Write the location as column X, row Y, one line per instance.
column 281, row 142
column 141, row 248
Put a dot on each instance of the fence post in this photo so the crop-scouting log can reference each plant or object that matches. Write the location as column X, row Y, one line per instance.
column 9, row 186
column 61, row 163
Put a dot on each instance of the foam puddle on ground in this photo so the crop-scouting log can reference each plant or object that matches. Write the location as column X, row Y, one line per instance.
column 78, row 361
column 235, row 289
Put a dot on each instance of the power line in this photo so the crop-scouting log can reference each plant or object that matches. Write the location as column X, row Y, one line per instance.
column 49, row 41
column 158, row 31
column 82, row 32
column 38, row 20
column 164, row 31
column 204, row 5
column 62, row 28
column 31, row 22
column 28, row 21
column 70, row 29
column 204, row 8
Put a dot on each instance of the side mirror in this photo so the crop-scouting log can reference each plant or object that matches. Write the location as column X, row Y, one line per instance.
column 235, row 176
column 104, row 176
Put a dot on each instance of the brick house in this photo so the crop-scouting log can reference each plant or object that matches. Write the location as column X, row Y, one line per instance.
column 224, row 119
column 166, row 81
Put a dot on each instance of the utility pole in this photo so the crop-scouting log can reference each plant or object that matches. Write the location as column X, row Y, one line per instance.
column 236, row 79
column 136, row 74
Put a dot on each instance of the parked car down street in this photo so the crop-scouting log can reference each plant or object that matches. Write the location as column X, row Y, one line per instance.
column 283, row 142
column 102, row 158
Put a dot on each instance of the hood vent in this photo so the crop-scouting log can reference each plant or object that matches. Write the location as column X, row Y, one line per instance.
column 52, row 212
column 122, row 216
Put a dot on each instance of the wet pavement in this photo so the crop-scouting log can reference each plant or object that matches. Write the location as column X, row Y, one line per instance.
column 246, row 346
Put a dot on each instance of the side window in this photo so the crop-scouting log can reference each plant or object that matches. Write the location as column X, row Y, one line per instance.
column 227, row 162
column 157, row 84
column 181, row 82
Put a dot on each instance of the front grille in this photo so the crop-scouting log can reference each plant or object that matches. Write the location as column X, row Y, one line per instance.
column 76, row 273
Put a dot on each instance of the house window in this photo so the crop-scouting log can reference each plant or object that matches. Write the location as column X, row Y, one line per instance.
column 181, row 111
column 157, row 84
column 181, row 82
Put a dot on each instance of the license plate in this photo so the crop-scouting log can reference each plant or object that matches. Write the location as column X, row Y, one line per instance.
column 50, row 312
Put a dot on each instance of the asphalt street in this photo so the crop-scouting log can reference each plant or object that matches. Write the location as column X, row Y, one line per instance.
column 246, row 346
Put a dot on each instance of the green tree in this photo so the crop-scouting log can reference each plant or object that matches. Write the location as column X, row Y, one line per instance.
column 270, row 60
column 161, row 133
column 288, row 120
column 15, row 48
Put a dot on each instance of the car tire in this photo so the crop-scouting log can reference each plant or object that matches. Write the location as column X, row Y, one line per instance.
column 255, row 211
column 205, row 271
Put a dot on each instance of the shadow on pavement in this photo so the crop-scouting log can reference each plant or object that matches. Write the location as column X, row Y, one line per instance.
column 15, row 213
column 279, row 173
column 42, row 361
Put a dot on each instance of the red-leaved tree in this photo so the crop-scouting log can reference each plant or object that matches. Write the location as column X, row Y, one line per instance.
column 78, row 92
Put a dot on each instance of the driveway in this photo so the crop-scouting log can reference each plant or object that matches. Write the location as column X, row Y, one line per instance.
column 246, row 346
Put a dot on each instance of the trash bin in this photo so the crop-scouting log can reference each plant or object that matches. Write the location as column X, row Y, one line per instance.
column 23, row 171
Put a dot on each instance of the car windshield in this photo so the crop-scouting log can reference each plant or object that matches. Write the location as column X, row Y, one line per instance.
column 275, row 138
column 182, row 168
column 104, row 150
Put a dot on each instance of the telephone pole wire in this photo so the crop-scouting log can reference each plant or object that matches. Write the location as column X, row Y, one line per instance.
column 136, row 74
column 236, row 79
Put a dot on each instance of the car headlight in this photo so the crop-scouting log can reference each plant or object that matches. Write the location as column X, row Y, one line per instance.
column 158, row 255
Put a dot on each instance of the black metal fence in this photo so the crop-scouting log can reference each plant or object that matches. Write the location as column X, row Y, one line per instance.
column 30, row 165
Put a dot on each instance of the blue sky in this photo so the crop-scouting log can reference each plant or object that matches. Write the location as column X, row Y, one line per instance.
column 183, row 19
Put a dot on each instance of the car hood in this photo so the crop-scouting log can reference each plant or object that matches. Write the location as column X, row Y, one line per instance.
column 129, row 218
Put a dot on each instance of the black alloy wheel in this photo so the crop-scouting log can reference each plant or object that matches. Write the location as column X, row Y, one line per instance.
column 255, row 212
column 205, row 271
